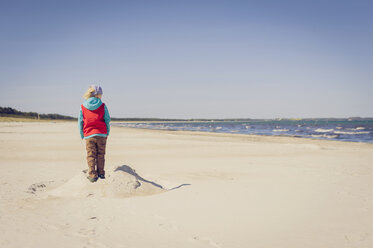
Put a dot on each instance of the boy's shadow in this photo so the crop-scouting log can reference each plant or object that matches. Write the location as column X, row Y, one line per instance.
column 132, row 172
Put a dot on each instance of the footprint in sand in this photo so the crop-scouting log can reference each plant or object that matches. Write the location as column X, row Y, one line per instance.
column 165, row 224
column 356, row 238
column 207, row 241
column 85, row 233
column 40, row 187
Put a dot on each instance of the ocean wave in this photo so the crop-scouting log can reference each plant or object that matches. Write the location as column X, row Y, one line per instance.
column 280, row 130
column 324, row 136
column 351, row 133
column 320, row 130
column 359, row 132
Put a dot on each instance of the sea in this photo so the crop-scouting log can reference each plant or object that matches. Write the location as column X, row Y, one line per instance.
column 340, row 130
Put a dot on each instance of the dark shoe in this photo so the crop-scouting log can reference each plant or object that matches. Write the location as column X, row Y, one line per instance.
column 101, row 176
column 92, row 180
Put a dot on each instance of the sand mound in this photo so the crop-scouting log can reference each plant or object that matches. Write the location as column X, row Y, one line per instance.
column 120, row 183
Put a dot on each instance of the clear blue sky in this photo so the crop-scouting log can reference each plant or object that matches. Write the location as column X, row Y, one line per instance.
column 189, row 59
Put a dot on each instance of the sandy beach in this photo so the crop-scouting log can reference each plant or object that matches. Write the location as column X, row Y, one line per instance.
column 183, row 189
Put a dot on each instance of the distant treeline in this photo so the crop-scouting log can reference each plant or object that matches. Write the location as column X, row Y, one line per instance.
column 11, row 112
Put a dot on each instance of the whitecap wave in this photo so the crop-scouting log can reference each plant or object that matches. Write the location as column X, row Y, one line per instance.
column 351, row 133
column 280, row 130
column 320, row 130
column 324, row 136
column 360, row 128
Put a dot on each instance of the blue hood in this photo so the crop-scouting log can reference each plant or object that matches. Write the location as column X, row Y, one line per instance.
column 92, row 103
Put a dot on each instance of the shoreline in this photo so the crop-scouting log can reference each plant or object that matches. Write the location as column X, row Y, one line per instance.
column 246, row 135
column 25, row 120
column 361, row 132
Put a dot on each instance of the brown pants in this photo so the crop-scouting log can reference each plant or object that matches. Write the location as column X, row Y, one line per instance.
column 96, row 146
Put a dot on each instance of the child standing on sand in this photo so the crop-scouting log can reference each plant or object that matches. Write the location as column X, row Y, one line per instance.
column 94, row 125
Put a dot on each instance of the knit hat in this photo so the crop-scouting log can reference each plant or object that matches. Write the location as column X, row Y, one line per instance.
column 98, row 90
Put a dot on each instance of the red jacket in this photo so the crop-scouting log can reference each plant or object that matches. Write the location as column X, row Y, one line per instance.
column 93, row 121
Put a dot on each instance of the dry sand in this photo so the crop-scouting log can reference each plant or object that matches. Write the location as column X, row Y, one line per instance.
column 183, row 189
